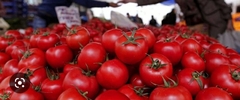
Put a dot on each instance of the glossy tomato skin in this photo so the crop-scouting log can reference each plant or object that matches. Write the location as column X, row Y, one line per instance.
column 148, row 35
column 10, row 68
column 58, row 56
column 4, row 57
column 131, row 92
column 172, row 93
column 109, row 38
column 112, row 74
column 131, row 53
column 35, row 75
column 4, row 84
column 77, row 79
column 225, row 77
column 191, row 45
column 152, row 70
column 188, row 78
column 34, row 40
column 30, row 94
column 32, row 57
column 16, row 44
column 235, row 59
column 136, row 80
column 169, row 49
column 51, row 89
column 68, row 67
column 194, row 61
column 111, row 95
column 217, row 48
column 5, row 41
column 213, row 60
column 213, row 93
column 77, row 37
column 47, row 40
column 91, row 56
column 16, row 34
column 71, row 94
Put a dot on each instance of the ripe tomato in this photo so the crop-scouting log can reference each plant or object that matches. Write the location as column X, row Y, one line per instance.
column 153, row 68
column 16, row 44
column 111, row 95
column 191, row 79
column 32, row 57
column 193, row 60
column 170, row 93
column 132, row 92
column 136, row 80
column 47, row 40
column 70, row 66
column 18, row 52
column 227, row 77
column 213, row 93
column 112, row 74
column 5, row 94
column 4, row 84
column 10, row 68
column 231, row 51
column 77, row 78
column 109, row 38
column 91, row 56
column 213, row 60
column 16, row 34
column 191, row 45
column 51, row 87
column 205, row 44
column 218, row 48
column 169, row 48
column 30, row 94
column 234, row 59
column 34, row 39
column 35, row 75
column 77, row 37
column 72, row 94
column 58, row 56
column 5, row 41
column 131, row 48
column 148, row 35
column 4, row 57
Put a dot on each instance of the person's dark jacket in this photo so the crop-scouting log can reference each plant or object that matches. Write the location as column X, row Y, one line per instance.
column 48, row 6
column 170, row 19
column 216, row 13
column 147, row 2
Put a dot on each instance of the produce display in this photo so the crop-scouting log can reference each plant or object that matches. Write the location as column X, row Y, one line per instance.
column 100, row 61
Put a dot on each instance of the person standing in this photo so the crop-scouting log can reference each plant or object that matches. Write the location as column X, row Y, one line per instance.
column 170, row 18
column 138, row 19
column 153, row 21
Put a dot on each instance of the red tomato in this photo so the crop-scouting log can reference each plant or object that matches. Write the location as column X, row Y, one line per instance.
column 198, row 36
column 18, row 52
column 5, row 94
column 32, row 57
column 148, row 35
column 77, row 37
column 218, row 48
column 84, row 81
column 28, row 31
column 136, row 80
column 213, row 93
column 72, row 94
column 231, row 51
column 58, row 56
column 191, row 80
column 168, row 49
column 91, row 56
column 205, row 44
column 15, row 33
column 193, row 60
column 191, row 45
column 5, row 41
column 131, row 48
column 171, row 93
column 34, row 40
column 68, row 67
column 234, row 59
column 10, row 68
column 109, row 38
column 132, row 92
column 213, row 60
column 30, row 94
column 47, row 40
column 51, row 87
column 227, row 77
column 153, row 68
column 16, row 44
column 4, row 57
column 112, row 74
column 111, row 95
